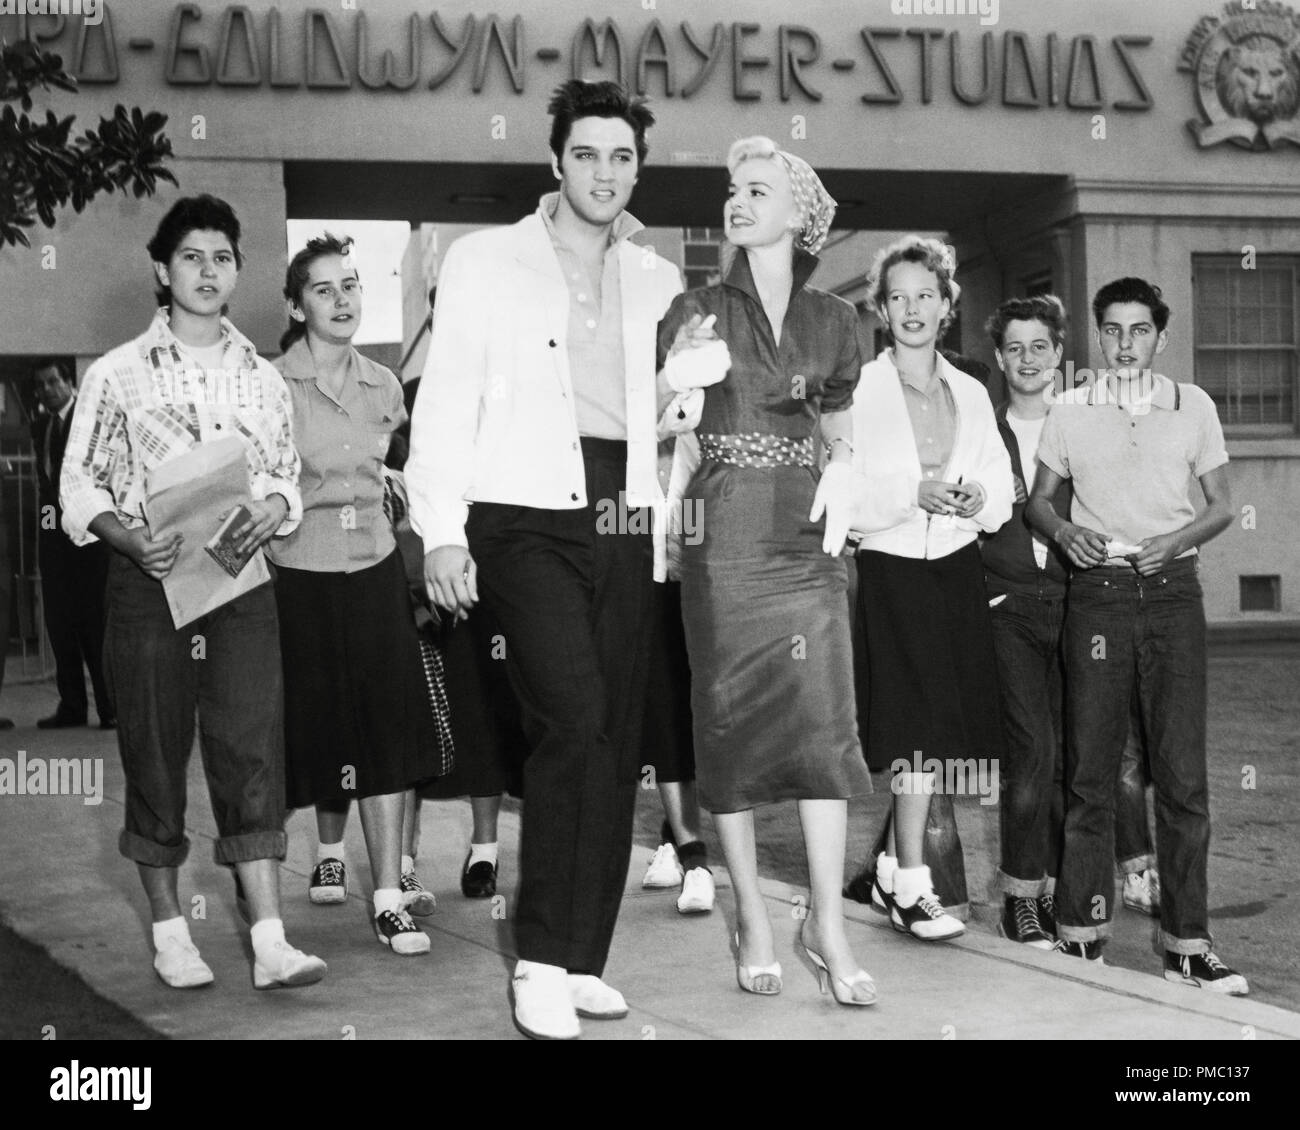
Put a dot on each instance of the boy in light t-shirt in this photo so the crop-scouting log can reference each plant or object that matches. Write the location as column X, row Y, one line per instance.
column 1129, row 443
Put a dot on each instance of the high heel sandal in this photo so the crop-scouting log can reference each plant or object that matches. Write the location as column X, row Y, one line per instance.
column 746, row 975
column 860, row 980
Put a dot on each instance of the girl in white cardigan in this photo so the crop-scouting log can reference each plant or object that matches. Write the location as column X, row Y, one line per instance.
column 932, row 473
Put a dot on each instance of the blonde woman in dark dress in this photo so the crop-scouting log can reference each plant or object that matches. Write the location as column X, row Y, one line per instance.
column 764, row 591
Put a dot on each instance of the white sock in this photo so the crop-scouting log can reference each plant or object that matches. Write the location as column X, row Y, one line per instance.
column 265, row 934
column 479, row 853
column 330, row 851
column 910, row 883
column 388, row 898
column 408, row 864
column 175, row 931
column 886, row 865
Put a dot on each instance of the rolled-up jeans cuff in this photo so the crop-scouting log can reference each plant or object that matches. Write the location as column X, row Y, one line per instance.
column 1021, row 888
column 250, row 846
column 152, row 854
column 1137, row 864
column 1185, row 945
column 1049, row 885
column 1098, row 933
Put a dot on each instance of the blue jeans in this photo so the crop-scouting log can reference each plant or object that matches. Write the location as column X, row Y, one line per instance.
column 161, row 677
column 1027, row 636
column 1127, row 633
column 1027, row 641
column 1134, row 852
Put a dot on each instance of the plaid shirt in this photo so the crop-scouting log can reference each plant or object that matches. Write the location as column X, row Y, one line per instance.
column 147, row 402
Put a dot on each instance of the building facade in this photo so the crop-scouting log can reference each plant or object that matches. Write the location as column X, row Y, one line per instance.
column 1056, row 145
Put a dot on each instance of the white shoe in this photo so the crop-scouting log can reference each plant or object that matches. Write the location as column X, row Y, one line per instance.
column 665, row 870
column 286, row 968
column 1142, row 892
column 594, row 999
column 179, row 965
column 543, row 1006
column 697, row 892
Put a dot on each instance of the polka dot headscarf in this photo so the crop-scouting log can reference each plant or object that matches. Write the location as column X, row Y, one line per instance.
column 816, row 206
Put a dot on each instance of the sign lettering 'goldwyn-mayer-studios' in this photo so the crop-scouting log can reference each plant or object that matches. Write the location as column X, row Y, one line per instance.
column 321, row 50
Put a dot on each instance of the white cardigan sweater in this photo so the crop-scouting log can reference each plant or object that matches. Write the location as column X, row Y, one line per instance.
column 887, row 469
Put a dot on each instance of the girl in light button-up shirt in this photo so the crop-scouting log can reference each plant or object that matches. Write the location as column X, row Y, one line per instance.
column 357, row 722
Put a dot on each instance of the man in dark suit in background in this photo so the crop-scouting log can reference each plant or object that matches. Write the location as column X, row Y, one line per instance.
column 72, row 577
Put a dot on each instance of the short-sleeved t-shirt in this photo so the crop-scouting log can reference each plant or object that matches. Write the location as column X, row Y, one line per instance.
column 1132, row 471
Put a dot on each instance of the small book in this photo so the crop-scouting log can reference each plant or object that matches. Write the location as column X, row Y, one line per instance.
column 221, row 547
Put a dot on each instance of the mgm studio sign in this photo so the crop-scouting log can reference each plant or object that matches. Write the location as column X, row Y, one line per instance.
column 1247, row 68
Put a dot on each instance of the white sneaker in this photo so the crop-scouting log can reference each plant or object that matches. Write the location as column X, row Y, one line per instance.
column 664, row 870
column 594, row 999
column 179, row 965
column 543, row 1007
column 697, row 892
column 287, row 967
column 1142, row 892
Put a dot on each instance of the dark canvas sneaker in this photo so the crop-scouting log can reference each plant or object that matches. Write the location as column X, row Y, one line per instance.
column 1204, row 971
column 329, row 883
column 1020, row 923
column 1047, row 914
column 1089, row 951
column 400, row 934
column 415, row 898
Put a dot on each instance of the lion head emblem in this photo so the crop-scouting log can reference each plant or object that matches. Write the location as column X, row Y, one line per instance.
column 1247, row 69
column 1259, row 80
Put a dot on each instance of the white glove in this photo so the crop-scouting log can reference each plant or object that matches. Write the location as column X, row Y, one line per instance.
column 682, row 414
column 698, row 367
column 834, row 498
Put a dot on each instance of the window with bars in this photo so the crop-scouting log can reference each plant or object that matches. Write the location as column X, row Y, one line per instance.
column 701, row 252
column 1247, row 340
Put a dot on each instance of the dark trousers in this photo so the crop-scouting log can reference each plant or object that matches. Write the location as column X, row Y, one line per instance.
column 72, row 592
column 1027, row 634
column 572, row 591
column 1125, row 632
column 225, row 667
column 1133, row 848
column 1027, row 640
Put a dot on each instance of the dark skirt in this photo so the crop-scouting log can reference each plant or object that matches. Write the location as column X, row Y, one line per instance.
column 666, row 742
column 357, row 716
column 931, row 682
column 767, row 628
column 485, row 720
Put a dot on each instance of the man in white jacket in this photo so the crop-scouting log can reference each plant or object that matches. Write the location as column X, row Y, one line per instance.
column 532, row 478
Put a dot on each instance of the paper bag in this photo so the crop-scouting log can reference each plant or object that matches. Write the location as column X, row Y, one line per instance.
column 192, row 495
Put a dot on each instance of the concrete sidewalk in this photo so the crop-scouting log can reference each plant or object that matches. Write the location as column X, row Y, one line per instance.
column 64, row 885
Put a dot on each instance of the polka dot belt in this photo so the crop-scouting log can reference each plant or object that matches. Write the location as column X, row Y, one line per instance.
column 757, row 449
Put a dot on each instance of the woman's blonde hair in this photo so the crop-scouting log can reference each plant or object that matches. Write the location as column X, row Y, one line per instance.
column 815, row 207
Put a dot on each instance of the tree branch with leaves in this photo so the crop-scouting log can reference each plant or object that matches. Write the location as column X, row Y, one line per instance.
column 44, row 168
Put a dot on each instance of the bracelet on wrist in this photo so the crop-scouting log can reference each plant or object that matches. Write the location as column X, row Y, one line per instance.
column 830, row 443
